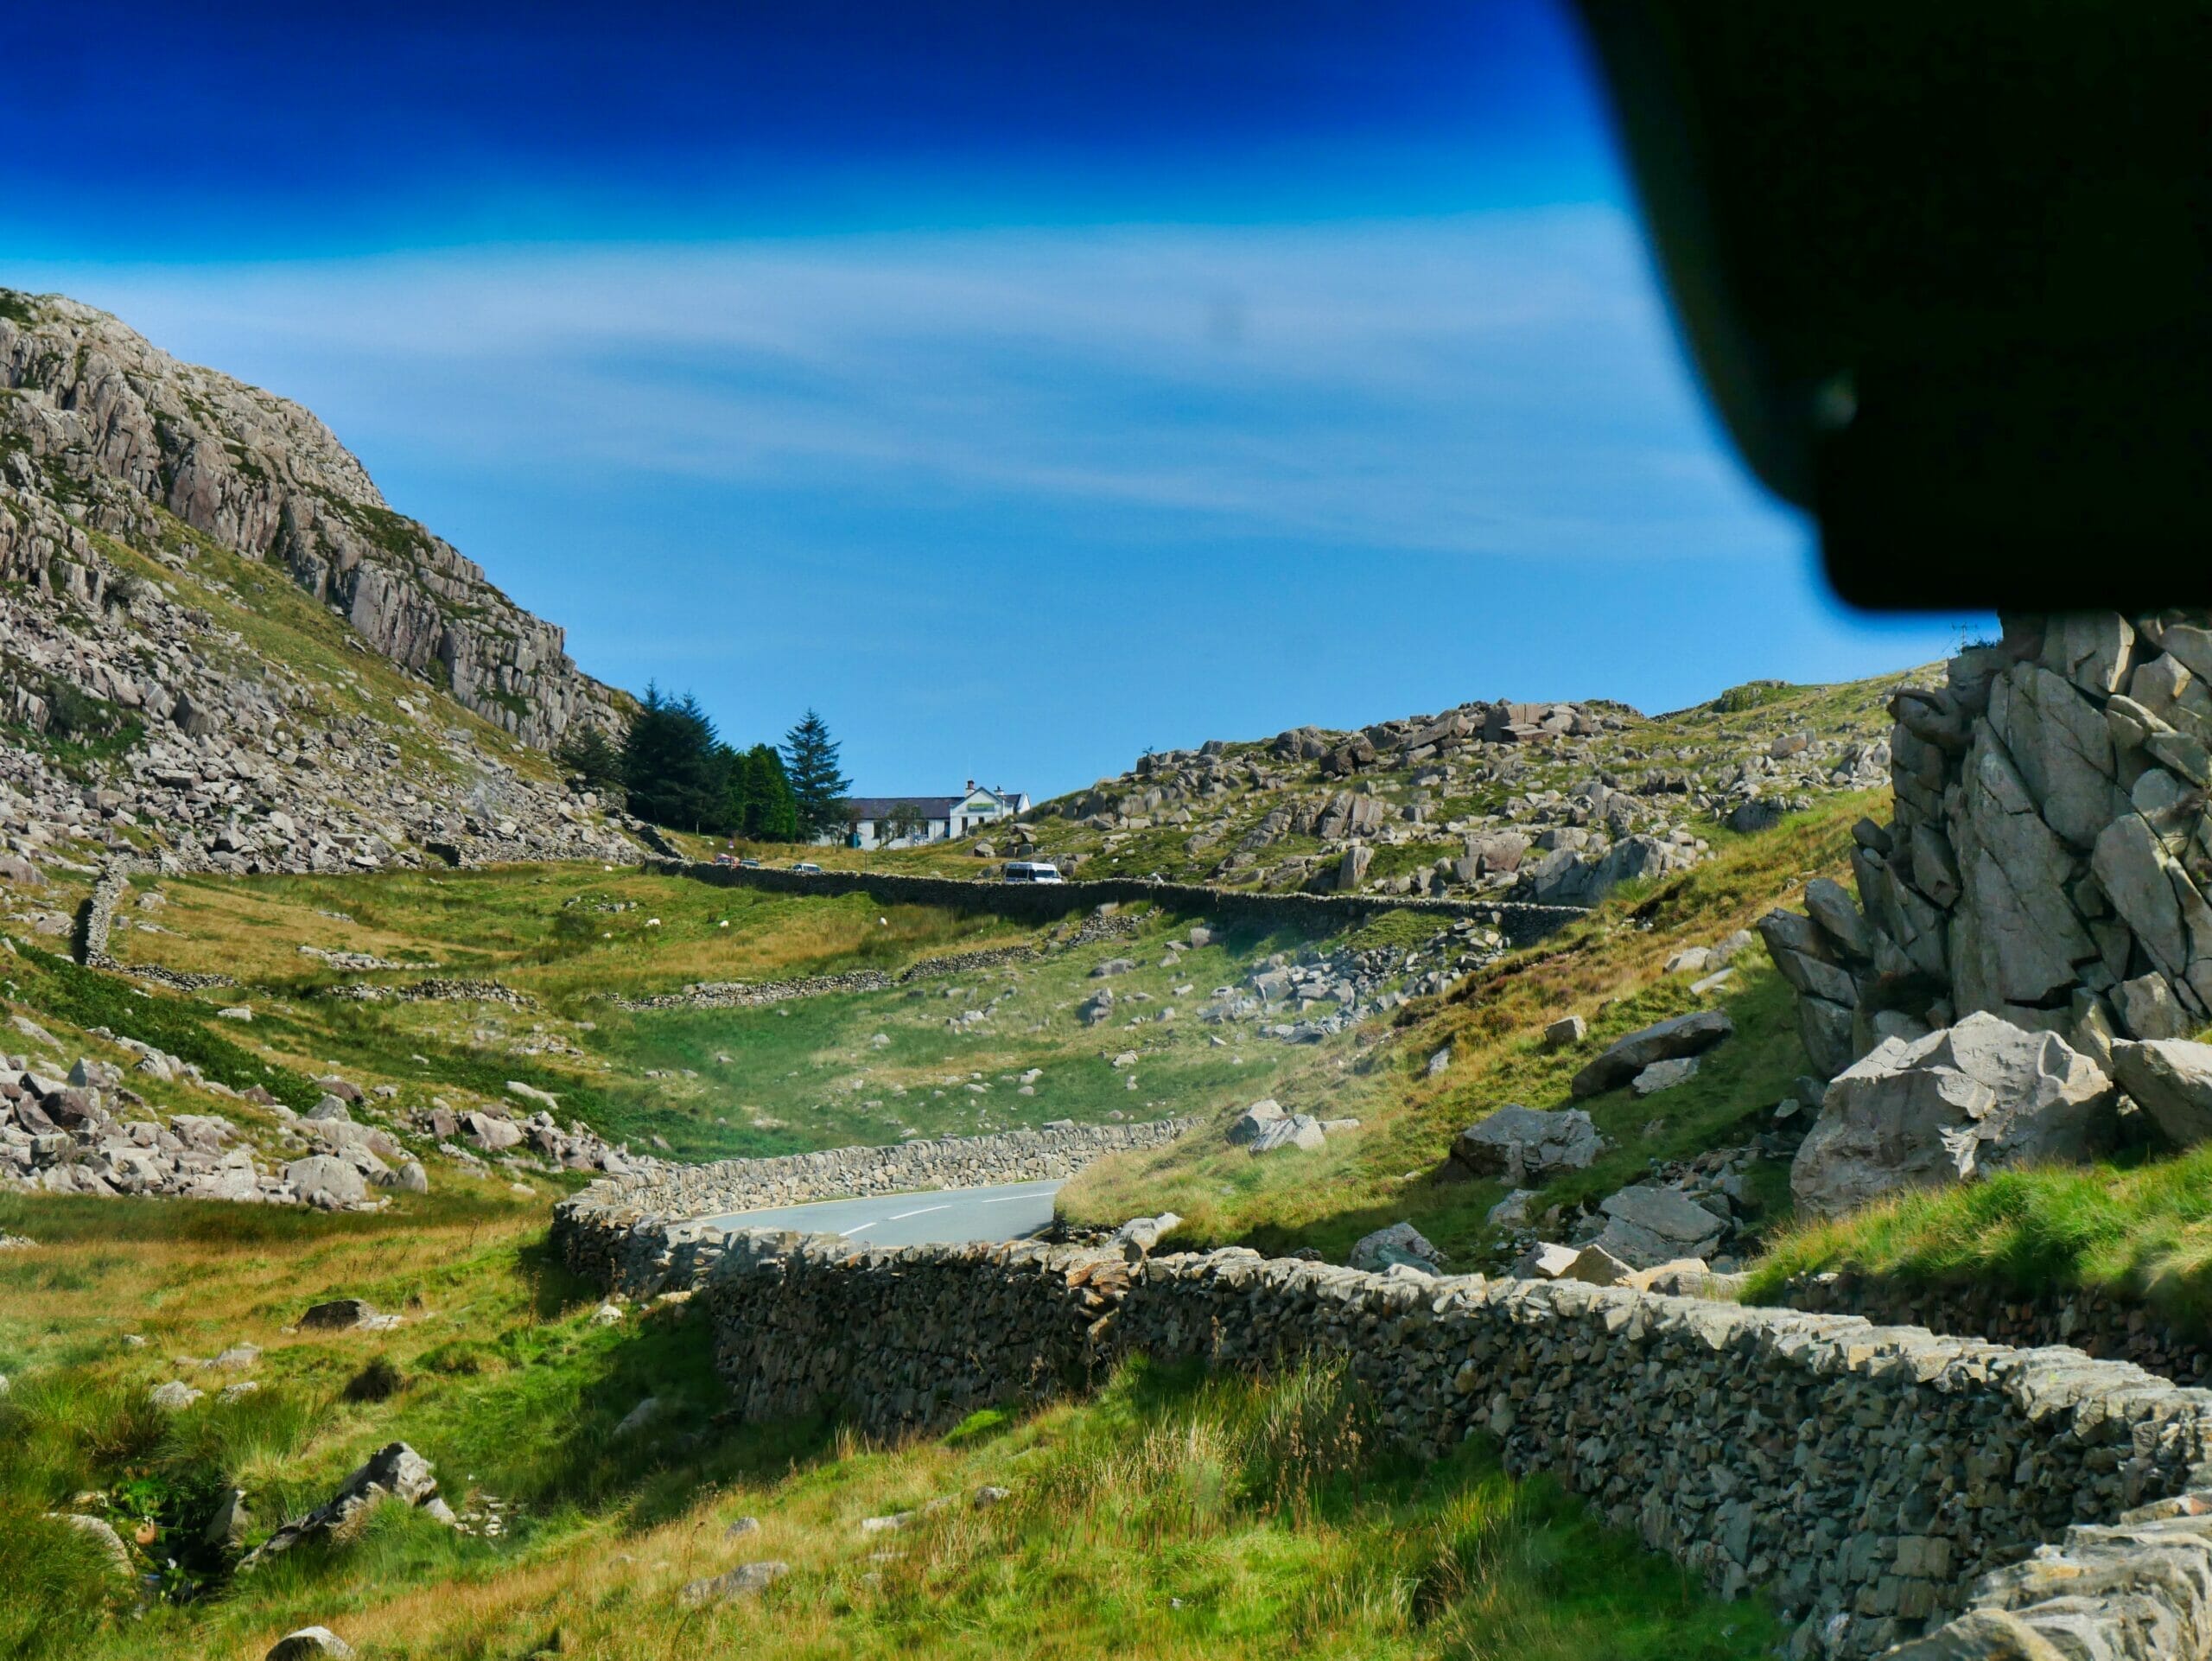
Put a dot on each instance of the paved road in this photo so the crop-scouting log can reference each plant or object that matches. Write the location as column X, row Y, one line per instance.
column 949, row 1215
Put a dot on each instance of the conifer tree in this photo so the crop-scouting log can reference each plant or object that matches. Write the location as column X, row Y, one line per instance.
column 810, row 767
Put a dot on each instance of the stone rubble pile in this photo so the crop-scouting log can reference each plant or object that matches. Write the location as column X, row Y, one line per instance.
column 1356, row 981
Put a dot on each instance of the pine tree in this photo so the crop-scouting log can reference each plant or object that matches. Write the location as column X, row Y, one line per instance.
column 810, row 767
column 771, row 812
column 670, row 767
column 589, row 754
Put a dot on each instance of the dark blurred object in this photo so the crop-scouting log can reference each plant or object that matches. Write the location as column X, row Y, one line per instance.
column 1946, row 267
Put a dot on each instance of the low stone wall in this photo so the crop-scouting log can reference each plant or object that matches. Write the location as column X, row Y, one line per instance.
column 736, row 995
column 1319, row 913
column 2100, row 1324
column 638, row 1233
column 1876, row 1482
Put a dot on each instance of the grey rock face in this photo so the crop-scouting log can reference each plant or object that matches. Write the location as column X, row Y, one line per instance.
column 1256, row 1119
column 265, row 479
column 1973, row 1098
column 1646, row 1227
column 394, row 1473
column 1524, row 1145
column 323, row 1178
column 1401, row 1243
column 1689, row 1035
column 1299, row 1131
column 2050, row 853
column 2172, row 1081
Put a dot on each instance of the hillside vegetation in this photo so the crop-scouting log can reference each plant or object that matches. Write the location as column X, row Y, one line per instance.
column 1168, row 1516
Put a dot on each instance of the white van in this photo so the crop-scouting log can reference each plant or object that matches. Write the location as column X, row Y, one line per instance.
column 1032, row 870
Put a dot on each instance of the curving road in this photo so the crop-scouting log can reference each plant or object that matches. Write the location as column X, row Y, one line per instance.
column 951, row 1215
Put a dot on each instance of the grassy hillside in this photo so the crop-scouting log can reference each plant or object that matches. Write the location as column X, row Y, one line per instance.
column 1608, row 969
column 825, row 1072
column 1168, row 1516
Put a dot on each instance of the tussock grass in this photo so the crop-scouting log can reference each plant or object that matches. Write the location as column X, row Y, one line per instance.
column 1171, row 1515
column 2143, row 1231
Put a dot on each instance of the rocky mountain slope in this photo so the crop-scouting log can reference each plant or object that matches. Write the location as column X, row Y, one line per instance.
column 219, row 645
column 1551, row 803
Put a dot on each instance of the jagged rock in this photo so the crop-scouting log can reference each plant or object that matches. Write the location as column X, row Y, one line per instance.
column 1256, row 1119
column 174, row 1396
column 1400, row 1243
column 1524, row 1145
column 1595, row 1266
column 2172, row 1081
column 1646, row 1227
column 395, row 1472
column 337, row 1315
column 1299, row 1131
column 322, row 1179
column 2147, row 1007
column 1568, row 1029
column 1141, row 1234
column 1978, row 1096
column 1664, row 1075
column 102, row 1534
column 1544, row 1261
column 1689, row 1035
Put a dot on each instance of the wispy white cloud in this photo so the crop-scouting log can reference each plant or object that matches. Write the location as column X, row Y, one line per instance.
column 1487, row 385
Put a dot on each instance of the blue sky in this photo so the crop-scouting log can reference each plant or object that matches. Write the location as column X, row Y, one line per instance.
column 1021, row 386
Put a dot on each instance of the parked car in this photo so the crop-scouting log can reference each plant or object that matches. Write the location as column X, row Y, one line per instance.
column 748, row 864
column 807, row 867
column 1032, row 870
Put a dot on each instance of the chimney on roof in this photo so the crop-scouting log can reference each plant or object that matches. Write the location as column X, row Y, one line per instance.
column 971, row 786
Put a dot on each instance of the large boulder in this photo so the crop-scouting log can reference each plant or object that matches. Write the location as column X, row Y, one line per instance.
column 1690, row 1034
column 1522, row 1144
column 1299, row 1131
column 2172, row 1081
column 321, row 1178
column 1646, row 1227
column 1256, row 1118
column 1977, row 1096
column 1401, row 1244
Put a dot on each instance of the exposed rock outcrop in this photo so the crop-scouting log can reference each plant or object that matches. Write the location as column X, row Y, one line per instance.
column 1976, row 1098
column 2050, row 852
column 96, row 405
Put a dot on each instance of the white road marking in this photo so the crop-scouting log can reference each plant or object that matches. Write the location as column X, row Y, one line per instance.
column 847, row 1234
column 1008, row 1200
column 925, row 1211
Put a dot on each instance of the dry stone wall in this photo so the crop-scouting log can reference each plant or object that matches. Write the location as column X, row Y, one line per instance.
column 1883, row 1485
column 2101, row 1323
column 2049, row 855
column 1042, row 902
column 639, row 1233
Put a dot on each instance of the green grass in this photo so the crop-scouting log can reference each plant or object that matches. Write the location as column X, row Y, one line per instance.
column 1607, row 969
column 801, row 1074
column 2143, row 1231
column 1171, row 1515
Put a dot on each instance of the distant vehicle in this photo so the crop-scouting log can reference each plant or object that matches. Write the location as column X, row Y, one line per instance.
column 1029, row 870
column 724, row 859
column 748, row 864
column 807, row 867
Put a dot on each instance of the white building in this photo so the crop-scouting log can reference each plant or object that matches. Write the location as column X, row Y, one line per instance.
column 908, row 821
